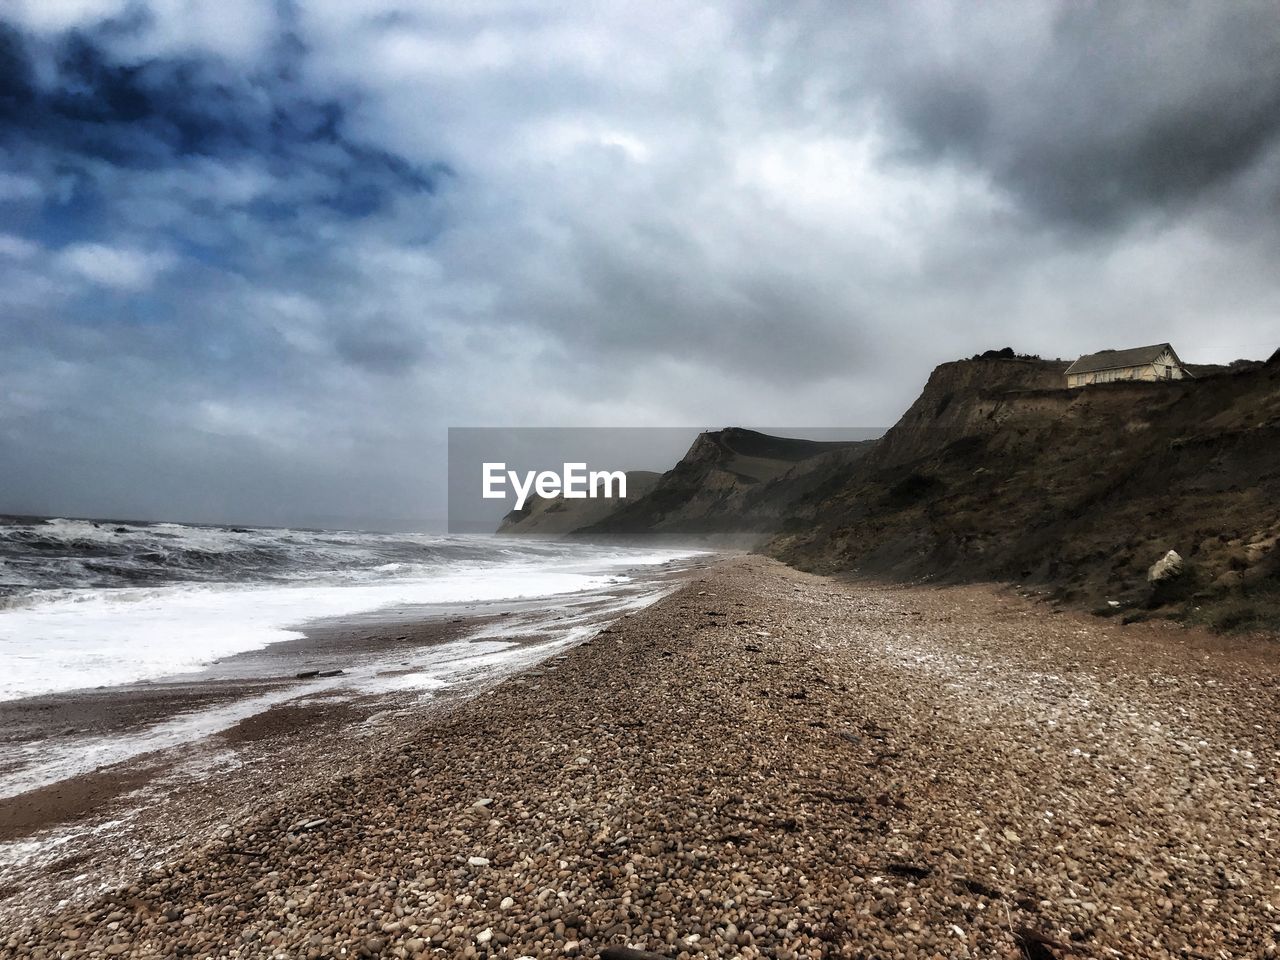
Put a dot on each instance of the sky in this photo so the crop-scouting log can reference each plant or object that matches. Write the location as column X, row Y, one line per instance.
column 256, row 257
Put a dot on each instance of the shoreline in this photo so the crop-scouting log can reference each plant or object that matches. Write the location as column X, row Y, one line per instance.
column 764, row 763
column 89, row 780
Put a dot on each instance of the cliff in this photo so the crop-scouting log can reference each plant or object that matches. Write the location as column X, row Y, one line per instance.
column 733, row 481
column 998, row 473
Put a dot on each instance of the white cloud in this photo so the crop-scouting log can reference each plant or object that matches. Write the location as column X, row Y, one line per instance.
column 236, row 29
column 121, row 268
column 53, row 15
column 16, row 248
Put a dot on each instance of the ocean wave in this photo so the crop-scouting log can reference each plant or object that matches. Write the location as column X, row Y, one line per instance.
column 67, row 630
column 60, row 553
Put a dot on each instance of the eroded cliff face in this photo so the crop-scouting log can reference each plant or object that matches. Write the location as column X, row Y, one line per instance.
column 998, row 472
column 734, row 481
column 969, row 398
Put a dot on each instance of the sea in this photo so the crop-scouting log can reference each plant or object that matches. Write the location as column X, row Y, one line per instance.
column 92, row 603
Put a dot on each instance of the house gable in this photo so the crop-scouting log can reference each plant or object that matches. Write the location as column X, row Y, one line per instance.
column 1158, row 361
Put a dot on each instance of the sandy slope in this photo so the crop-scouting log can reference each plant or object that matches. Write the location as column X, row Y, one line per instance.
column 771, row 764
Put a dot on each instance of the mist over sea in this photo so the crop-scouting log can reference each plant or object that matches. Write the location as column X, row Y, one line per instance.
column 92, row 602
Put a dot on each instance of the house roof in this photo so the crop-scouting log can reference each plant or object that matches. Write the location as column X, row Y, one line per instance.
column 1111, row 359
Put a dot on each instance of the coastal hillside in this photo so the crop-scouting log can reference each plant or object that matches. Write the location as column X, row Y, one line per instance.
column 997, row 472
column 733, row 481
column 556, row 516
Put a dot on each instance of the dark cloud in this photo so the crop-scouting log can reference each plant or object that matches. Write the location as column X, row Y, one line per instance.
column 97, row 107
column 381, row 347
column 1113, row 110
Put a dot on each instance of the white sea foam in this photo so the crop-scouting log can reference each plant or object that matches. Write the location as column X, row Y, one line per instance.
column 70, row 639
column 484, row 656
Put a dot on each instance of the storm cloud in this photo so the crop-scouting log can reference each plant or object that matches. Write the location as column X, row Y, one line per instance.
column 256, row 258
column 1102, row 112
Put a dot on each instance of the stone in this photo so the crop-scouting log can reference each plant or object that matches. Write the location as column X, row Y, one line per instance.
column 1169, row 567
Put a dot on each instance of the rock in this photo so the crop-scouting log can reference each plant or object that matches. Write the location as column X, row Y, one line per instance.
column 627, row 953
column 478, row 861
column 1169, row 567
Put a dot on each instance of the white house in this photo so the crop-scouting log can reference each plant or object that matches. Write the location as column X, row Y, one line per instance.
column 1156, row 362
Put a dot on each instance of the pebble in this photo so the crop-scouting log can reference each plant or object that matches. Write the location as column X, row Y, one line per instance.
column 904, row 772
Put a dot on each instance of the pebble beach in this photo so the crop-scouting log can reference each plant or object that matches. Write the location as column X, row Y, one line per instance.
column 768, row 764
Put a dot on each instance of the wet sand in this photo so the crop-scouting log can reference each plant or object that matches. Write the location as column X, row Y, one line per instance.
column 765, row 764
